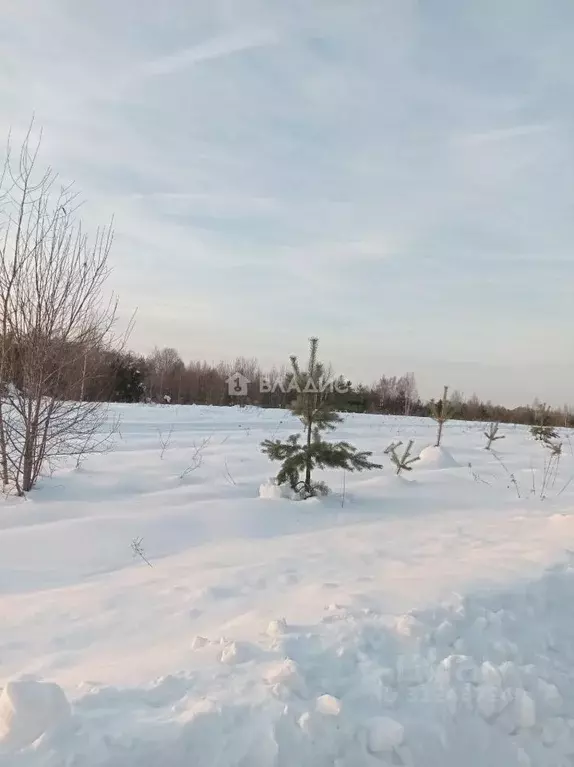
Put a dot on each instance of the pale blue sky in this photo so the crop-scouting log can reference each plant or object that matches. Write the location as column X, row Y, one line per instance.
column 394, row 177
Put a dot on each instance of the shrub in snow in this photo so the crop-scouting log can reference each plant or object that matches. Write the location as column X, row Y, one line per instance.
column 555, row 448
column 551, row 466
column 441, row 412
column 317, row 414
column 28, row 709
column 544, row 433
column 492, row 434
column 402, row 462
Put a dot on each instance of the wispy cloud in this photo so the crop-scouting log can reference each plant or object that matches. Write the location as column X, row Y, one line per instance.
column 382, row 174
column 496, row 135
column 220, row 46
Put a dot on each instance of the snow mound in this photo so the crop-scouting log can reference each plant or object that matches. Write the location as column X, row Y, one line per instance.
column 328, row 705
column 277, row 627
column 433, row 457
column 28, row 709
column 236, row 652
column 384, row 734
column 270, row 490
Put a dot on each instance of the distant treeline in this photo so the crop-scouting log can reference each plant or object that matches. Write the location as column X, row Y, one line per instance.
column 163, row 377
column 97, row 374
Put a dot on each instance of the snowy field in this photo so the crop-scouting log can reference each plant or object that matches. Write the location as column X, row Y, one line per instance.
column 420, row 621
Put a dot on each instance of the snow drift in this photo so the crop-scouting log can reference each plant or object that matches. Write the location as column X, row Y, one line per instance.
column 412, row 623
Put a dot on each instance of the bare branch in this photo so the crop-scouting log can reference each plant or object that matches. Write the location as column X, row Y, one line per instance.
column 138, row 551
column 164, row 440
column 196, row 457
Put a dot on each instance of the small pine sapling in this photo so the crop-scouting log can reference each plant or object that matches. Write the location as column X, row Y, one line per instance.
column 388, row 450
column 551, row 466
column 492, row 434
column 316, row 412
column 543, row 433
column 441, row 412
column 402, row 462
column 555, row 448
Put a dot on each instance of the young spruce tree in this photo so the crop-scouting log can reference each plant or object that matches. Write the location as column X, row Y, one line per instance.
column 316, row 412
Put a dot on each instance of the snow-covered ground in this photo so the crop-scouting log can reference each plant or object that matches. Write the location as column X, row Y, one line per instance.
column 425, row 620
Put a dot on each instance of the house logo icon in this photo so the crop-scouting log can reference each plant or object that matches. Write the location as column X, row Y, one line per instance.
column 237, row 385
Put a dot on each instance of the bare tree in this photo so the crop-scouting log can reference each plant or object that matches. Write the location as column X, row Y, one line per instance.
column 165, row 369
column 408, row 388
column 55, row 318
column 164, row 441
column 397, row 395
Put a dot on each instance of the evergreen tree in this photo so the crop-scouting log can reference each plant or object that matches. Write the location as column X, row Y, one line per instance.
column 315, row 409
column 544, row 433
column 128, row 379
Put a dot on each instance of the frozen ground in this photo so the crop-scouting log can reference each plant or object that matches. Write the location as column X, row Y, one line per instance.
column 421, row 621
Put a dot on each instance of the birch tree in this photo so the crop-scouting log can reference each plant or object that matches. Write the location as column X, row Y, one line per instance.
column 54, row 318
